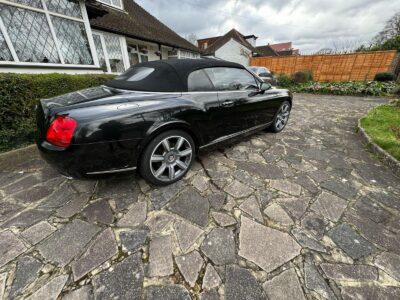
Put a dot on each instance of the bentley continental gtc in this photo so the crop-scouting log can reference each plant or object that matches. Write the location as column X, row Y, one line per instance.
column 156, row 117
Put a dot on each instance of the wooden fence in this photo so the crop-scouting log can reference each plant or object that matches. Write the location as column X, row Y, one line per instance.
column 333, row 67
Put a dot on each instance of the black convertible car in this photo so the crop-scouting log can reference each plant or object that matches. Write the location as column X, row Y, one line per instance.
column 156, row 117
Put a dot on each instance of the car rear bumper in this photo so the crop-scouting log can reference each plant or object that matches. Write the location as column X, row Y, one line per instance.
column 92, row 159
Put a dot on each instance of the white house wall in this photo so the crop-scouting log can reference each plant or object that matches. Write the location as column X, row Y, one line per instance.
column 151, row 47
column 232, row 51
column 38, row 70
column 165, row 51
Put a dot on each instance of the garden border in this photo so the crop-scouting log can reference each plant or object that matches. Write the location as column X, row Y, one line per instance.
column 387, row 159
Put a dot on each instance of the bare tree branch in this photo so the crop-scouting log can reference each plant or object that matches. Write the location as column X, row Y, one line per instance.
column 392, row 29
column 192, row 38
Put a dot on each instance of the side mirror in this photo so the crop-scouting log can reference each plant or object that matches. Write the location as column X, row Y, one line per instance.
column 265, row 86
column 264, row 75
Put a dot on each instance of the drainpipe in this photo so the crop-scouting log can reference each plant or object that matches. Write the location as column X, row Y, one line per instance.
column 159, row 49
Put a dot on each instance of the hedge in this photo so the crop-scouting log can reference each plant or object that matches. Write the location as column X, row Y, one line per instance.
column 348, row 88
column 19, row 94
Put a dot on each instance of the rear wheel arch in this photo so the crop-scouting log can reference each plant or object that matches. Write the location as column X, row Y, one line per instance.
column 157, row 130
column 173, row 161
column 290, row 100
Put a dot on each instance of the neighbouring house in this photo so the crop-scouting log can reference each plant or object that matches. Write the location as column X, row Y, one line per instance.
column 266, row 50
column 76, row 36
column 282, row 49
column 233, row 46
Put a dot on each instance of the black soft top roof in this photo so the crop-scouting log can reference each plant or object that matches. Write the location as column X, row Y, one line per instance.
column 168, row 75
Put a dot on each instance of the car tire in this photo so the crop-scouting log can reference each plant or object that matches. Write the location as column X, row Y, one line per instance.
column 162, row 164
column 281, row 117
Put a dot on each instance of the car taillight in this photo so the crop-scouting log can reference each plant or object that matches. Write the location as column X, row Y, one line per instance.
column 61, row 131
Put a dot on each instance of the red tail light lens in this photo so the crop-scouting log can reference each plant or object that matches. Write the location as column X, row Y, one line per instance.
column 61, row 131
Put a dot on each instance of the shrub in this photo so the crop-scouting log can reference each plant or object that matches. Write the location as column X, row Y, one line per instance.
column 302, row 76
column 350, row 88
column 384, row 77
column 395, row 102
column 390, row 44
column 19, row 94
column 285, row 81
column 397, row 91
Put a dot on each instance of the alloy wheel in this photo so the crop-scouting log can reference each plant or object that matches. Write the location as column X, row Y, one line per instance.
column 171, row 158
column 282, row 117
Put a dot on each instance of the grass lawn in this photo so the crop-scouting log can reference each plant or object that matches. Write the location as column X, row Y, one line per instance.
column 382, row 124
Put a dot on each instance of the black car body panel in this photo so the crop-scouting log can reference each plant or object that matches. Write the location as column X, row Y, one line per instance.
column 114, row 125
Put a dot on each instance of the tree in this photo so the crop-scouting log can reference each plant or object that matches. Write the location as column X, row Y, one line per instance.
column 192, row 38
column 391, row 30
column 387, row 39
column 325, row 51
column 343, row 46
column 390, row 44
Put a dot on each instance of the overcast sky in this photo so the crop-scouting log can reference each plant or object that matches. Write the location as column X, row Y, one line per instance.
column 310, row 24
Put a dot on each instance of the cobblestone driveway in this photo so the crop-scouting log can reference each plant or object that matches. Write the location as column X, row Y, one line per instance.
column 307, row 213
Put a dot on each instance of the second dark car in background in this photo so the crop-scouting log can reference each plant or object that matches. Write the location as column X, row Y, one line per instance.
column 265, row 74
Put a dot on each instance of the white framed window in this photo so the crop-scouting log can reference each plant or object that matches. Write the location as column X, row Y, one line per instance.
column 144, row 53
column 188, row 55
column 115, row 3
column 110, row 51
column 172, row 54
column 182, row 54
column 46, row 32
column 137, row 53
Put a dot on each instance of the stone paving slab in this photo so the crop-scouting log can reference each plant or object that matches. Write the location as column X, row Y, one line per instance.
column 304, row 214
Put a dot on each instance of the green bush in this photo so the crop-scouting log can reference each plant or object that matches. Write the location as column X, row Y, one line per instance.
column 384, row 77
column 397, row 91
column 390, row 44
column 285, row 81
column 395, row 102
column 302, row 76
column 19, row 94
column 349, row 88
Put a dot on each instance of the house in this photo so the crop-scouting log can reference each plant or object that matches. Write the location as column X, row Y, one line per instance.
column 77, row 36
column 266, row 50
column 282, row 49
column 233, row 46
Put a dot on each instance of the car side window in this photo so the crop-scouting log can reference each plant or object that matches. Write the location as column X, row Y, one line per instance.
column 198, row 81
column 231, row 79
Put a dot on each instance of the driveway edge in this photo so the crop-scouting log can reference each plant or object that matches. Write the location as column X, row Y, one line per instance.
column 387, row 159
column 17, row 156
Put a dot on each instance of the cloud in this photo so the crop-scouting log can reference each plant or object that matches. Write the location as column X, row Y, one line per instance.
column 310, row 24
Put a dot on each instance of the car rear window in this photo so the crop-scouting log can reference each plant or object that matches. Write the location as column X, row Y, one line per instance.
column 135, row 74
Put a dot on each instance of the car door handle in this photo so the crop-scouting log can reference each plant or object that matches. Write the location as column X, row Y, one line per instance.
column 228, row 103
